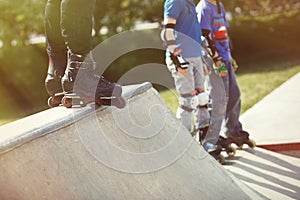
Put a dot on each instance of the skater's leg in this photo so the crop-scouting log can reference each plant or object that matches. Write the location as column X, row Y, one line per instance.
column 80, row 76
column 184, row 86
column 218, row 105
column 184, row 114
column 76, row 29
column 76, row 25
column 234, row 130
column 233, row 124
column 202, row 116
column 56, row 49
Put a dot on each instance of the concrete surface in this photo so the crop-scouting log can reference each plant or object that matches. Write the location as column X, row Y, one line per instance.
column 140, row 152
column 273, row 175
column 274, row 123
column 276, row 118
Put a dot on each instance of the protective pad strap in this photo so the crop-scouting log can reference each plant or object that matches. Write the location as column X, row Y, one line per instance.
column 186, row 108
column 195, row 92
column 187, row 95
column 211, row 44
column 168, row 36
column 218, row 58
column 172, row 26
column 171, row 42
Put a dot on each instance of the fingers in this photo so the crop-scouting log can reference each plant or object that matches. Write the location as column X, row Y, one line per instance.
column 182, row 72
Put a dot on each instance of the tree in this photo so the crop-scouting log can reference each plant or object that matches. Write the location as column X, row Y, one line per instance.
column 116, row 16
column 20, row 19
column 22, row 65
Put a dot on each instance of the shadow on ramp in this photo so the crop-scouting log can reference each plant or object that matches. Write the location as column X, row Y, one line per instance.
column 273, row 175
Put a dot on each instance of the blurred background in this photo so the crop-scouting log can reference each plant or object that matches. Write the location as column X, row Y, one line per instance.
column 265, row 36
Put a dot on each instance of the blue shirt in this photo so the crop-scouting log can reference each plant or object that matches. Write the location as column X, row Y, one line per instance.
column 217, row 24
column 187, row 29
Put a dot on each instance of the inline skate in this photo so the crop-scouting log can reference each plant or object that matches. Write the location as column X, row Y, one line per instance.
column 226, row 146
column 81, row 85
column 56, row 68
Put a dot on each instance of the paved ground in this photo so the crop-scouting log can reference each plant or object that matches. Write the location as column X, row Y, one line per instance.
column 274, row 122
column 276, row 118
column 273, row 175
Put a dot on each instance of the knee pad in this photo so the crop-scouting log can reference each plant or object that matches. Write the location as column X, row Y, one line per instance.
column 201, row 99
column 185, row 104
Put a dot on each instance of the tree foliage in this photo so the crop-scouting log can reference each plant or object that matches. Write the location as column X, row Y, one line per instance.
column 22, row 64
column 19, row 19
column 116, row 16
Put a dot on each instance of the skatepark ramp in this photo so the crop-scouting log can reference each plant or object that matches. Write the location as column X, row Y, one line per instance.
column 138, row 152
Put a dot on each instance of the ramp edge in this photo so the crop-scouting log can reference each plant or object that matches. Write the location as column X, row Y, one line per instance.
column 24, row 130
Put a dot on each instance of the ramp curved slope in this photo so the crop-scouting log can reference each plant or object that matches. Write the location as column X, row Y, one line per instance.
column 140, row 152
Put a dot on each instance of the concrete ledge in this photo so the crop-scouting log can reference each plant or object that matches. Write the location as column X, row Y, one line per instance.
column 24, row 130
column 139, row 152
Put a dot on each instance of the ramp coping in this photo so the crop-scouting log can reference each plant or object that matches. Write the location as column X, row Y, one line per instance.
column 37, row 125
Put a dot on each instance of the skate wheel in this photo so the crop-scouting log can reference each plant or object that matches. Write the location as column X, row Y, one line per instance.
column 53, row 102
column 193, row 134
column 221, row 159
column 251, row 143
column 66, row 102
column 98, row 102
column 230, row 151
column 82, row 104
column 120, row 102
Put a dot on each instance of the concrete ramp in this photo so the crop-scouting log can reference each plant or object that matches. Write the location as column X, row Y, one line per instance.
column 139, row 152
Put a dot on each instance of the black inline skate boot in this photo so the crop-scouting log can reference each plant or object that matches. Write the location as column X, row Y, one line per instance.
column 82, row 85
column 240, row 139
column 56, row 69
column 226, row 145
column 202, row 133
column 215, row 151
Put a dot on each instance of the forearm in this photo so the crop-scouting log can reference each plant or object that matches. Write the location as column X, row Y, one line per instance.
column 168, row 35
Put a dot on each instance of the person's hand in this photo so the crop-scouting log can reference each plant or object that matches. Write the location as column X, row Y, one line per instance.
column 221, row 69
column 182, row 71
column 180, row 64
column 234, row 64
column 218, row 61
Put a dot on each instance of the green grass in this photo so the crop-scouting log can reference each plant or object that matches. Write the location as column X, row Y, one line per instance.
column 254, row 85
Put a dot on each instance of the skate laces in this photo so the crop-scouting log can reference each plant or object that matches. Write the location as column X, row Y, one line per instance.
column 79, row 65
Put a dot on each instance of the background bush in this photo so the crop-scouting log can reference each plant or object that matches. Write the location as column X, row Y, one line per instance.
column 268, row 34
